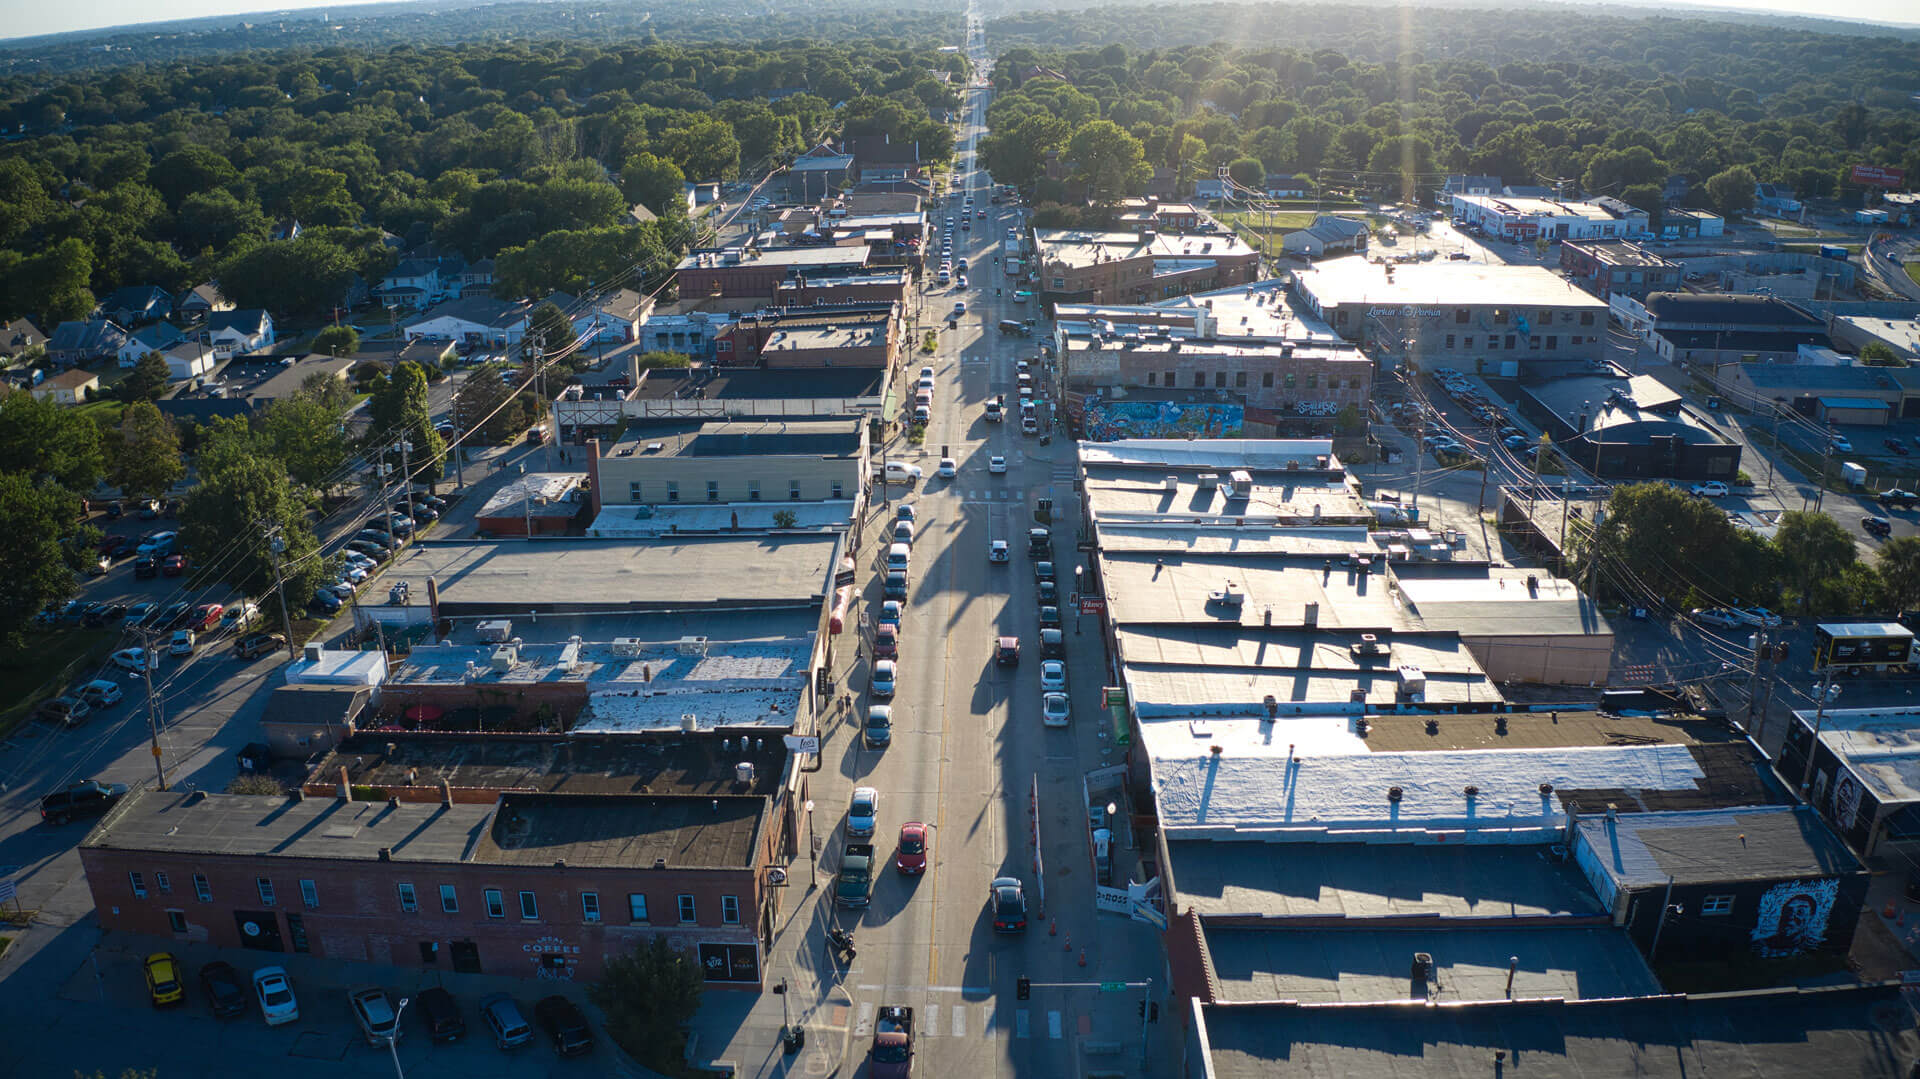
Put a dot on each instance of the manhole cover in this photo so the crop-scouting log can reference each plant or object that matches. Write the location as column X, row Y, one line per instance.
column 314, row 1045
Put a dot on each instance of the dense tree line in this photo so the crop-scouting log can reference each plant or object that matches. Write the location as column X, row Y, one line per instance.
column 176, row 175
column 1611, row 105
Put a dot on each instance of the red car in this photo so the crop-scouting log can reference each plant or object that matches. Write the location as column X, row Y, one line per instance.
column 174, row 566
column 912, row 859
column 886, row 641
column 206, row 616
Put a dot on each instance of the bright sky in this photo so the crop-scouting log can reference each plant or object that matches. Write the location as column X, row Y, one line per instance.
column 20, row 18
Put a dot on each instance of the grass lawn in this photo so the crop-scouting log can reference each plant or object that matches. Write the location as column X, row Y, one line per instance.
column 1913, row 272
column 52, row 661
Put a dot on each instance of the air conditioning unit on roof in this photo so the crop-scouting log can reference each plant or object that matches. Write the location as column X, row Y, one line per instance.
column 626, row 646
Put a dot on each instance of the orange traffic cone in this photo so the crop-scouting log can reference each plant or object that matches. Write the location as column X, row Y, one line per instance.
column 1083, row 957
column 1053, row 927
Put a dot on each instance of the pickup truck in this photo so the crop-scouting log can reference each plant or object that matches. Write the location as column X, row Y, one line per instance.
column 856, row 877
column 996, row 408
column 892, row 1054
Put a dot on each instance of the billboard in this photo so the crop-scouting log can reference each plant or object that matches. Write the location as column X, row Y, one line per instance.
column 1858, row 649
column 1877, row 176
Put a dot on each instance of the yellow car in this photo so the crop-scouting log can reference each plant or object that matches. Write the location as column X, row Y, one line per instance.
column 163, row 979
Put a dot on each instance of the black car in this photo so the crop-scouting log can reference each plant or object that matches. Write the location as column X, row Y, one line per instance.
column 1053, row 644
column 440, row 1014
column 1047, row 592
column 226, row 997
column 377, row 552
column 566, row 1028
column 1897, row 446
column 146, row 566
column 88, row 799
column 1877, row 526
column 1043, row 570
column 1007, row 900
column 1050, row 617
column 173, row 616
column 1894, row 496
column 103, row 613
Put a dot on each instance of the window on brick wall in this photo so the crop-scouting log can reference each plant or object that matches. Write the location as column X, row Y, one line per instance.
column 201, row 889
column 161, row 882
column 686, row 908
column 449, row 899
column 1449, row 340
column 265, row 888
column 496, row 903
column 408, row 901
column 1168, row 382
column 529, row 906
column 730, row 909
column 1219, row 380
column 636, row 907
column 1152, row 378
column 1240, row 380
column 1266, row 379
column 177, row 921
column 1199, row 379
column 590, row 906
column 309, row 893
column 139, row 885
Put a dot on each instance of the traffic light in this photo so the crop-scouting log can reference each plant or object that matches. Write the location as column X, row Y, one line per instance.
column 1023, row 988
column 1141, row 1007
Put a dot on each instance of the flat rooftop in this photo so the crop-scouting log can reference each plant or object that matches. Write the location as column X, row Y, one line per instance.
column 1088, row 247
column 518, row 829
column 1525, row 206
column 1226, row 879
column 1190, row 348
column 1902, row 334
column 1193, row 670
column 867, row 333
column 1862, row 1032
column 581, row 576
column 1276, row 497
column 647, row 521
column 1220, row 455
column 1879, row 746
column 1365, row 966
column 1356, row 281
column 536, row 494
column 773, row 258
column 674, row 764
column 1622, row 253
column 1261, row 311
column 1640, row 850
column 839, row 437
column 731, row 383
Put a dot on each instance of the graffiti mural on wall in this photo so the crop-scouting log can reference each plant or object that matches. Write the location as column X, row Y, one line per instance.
column 1107, row 421
column 1793, row 917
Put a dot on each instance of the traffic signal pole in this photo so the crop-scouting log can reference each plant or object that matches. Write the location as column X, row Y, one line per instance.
column 1149, row 1009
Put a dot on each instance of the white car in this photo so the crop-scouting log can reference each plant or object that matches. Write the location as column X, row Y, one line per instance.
column 353, row 573
column 1053, row 675
column 926, row 374
column 997, row 551
column 884, row 679
column 997, row 464
column 902, row 531
column 131, row 659
column 926, row 384
column 959, row 307
column 1757, row 616
column 948, row 468
column 963, row 279
column 1718, row 617
column 275, row 990
column 863, row 812
column 1710, row 489
column 901, row 472
column 1841, row 445
column 1054, row 709
column 181, row 644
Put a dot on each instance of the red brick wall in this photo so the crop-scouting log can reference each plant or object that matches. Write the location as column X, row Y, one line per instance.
column 359, row 916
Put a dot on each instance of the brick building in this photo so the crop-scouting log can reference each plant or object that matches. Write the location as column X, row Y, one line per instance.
column 757, row 272
column 1084, row 266
column 1604, row 267
column 536, row 885
column 846, row 335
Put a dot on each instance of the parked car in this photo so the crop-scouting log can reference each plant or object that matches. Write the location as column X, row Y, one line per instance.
column 163, row 979
column 1876, row 526
column 368, row 548
column 181, row 643
column 1894, row 496
column 1757, row 616
column 1718, row 617
column 274, row 990
column 1710, row 489
column 863, row 811
column 1053, row 675
column 1054, row 709
column 63, row 711
column 139, row 613
column 87, row 799
column 326, row 602
column 174, row 565
column 130, row 659
column 566, row 1028
column 886, row 641
column 220, row 984
column 1897, row 446
column 101, row 693
column 102, row 613
column 502, row 1016
column 879, row 727
column 373, row 1012
column 239, row 616
column 255, row 645
column 173, row 616
column 1050, row 616
column 206, row 616
column 146, row 566
column 440, row 1014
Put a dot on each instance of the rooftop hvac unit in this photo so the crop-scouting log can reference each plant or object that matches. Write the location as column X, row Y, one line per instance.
column 311, row 653
column 1242, row 484
column 691, row 646
column 1227, row 596
column 503, row 658
column 689, row 722
column 1209, row 479
column 626, row 646
column 1412, row 680
column 497, row 631
column 743, row 773
column 1171, row 483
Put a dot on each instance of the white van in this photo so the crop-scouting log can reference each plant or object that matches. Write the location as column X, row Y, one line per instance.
column 900, row 472
column 898, row 555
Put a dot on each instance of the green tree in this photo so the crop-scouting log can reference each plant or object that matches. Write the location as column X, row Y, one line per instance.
column 1248, row 172
column 1400, row 162
column 1879, row 354
column 1613, row 170
column 656, row 183
column 307, row 275
column 1814, row 550
column 1648, row 197
column 396, row 411
column 548, row 329
column 648, row 996
column 654, row 359
column 1109, row 161
column 237, row 511
column 147, row 381
column 1731, row 191
column 491, row 411
column 143, row 451
column 40, row 546
column 44, row 441
column 1663, row 544
column 1899, row 565
column 337, row 341
column 307, row 432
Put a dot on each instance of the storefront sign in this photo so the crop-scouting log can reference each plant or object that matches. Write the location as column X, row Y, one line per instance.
column 730, row 962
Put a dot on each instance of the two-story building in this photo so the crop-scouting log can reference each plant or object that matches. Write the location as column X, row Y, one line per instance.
column 674, row 462
column 845, row 335
column 1516, row 217
column 77, row 343
column 1604, row 267
column 135, row 305
column 756, row 273
column 235, row 333
column 1088, row 266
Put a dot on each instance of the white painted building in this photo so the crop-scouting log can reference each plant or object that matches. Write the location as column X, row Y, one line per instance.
column 1518, row 218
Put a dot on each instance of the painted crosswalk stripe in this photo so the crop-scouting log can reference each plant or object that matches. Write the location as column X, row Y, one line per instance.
column 1053, row 1025
column 959, row 1020
column 864, row 1026
column 930, row 1021
column 1020, row 1022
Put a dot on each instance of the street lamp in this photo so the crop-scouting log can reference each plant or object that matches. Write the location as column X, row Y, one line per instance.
column 813, row 852
column 393, row 1039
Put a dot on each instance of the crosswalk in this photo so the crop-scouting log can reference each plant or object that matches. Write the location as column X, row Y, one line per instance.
column 934, row 1016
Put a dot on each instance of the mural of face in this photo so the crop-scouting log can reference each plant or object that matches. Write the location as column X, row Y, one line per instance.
column 1793, row 917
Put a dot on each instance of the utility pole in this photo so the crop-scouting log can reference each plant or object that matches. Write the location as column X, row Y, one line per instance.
column 406, row 475
column 150, row 658
column 1666, row 909
column 1826, row 464
column 1825, row 691
column 277, row 545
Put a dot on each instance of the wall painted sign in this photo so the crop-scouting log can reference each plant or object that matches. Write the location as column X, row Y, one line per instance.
column 1793, row 917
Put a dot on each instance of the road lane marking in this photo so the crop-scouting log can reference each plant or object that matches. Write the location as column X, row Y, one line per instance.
column 1020, row 1023
column 1053, row 1025
column 864, row 1026
column 931, row 1026
column 959, row 1020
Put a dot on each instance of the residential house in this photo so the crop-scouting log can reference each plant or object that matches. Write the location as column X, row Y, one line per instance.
column 703, row 193
column 476, row 275
column 417, row 283
column 135, row 304
column 478, row 320
column 1287, row 185
column 1213, row 187
column 285, row 229
column 1674, row 191
column 158, row 337
column 614, row 317
column 1775, row 199
column 189, row 359
column 1691, row 224
column 878, row 159
column 202, row 300
column 232, row 333
column 818, row 173
column 1328, row 235
column 1461, row 184
column 68, row 387
column 18, row 336
column 1164, row 186
column 77, row 343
